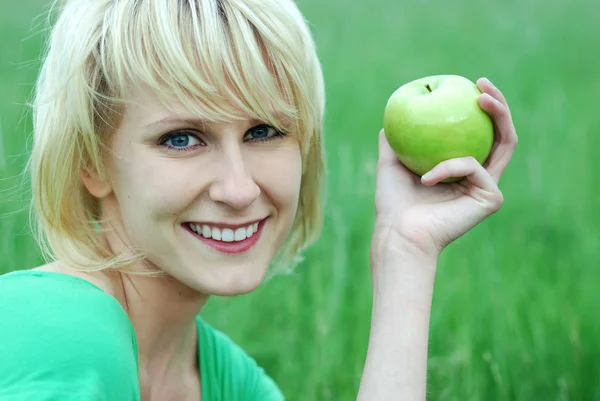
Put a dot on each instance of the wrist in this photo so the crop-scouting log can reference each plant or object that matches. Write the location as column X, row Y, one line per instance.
column 403, row 267
column 389, row 249
column 388, row 239
column 405, row 271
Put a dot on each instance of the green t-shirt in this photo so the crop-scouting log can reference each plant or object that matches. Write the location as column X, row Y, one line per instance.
column 64, row 339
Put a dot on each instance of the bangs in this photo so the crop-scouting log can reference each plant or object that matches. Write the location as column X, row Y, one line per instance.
column 221, row 60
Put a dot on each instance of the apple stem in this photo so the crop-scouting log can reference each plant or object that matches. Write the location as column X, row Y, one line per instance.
column 428, row 88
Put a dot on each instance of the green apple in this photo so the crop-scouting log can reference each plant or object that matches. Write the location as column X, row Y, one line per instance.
column 437, row 118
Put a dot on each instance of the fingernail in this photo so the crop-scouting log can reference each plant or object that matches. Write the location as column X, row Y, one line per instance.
column 427, row 175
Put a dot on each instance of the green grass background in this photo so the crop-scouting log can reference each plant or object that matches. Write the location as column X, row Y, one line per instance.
column 515, row 311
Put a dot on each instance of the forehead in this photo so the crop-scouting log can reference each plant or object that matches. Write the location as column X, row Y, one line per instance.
column 147, row 107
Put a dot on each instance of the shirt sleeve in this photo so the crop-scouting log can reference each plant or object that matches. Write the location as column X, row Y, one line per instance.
column 258, row 385
column 63, row 340
column 229, row 373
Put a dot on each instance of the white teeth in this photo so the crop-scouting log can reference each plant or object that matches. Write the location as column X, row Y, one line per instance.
column 240, row 234
column 227, row 235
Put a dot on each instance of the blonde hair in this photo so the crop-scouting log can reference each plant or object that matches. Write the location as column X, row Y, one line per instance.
column 220, row 58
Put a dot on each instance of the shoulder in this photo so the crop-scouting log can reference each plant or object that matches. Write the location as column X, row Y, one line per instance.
column 63, row 332
column 36, row 297
column 231, row 370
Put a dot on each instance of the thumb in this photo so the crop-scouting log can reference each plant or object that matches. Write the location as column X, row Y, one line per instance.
column 387, row 156
column 388, row 159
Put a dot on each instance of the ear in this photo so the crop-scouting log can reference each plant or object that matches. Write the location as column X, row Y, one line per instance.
column 97, row 187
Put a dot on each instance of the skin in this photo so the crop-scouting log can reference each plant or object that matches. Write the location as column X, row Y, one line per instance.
column 416, row 218
column 224, row 175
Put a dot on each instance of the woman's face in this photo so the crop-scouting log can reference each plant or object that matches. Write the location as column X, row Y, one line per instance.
column 208, row 203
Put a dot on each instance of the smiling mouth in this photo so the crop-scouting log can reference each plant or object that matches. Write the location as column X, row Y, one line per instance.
column 227, row 240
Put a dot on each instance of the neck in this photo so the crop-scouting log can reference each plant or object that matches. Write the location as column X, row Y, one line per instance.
column 163, row 312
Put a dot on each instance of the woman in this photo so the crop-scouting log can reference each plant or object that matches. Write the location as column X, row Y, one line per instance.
column 177, row 155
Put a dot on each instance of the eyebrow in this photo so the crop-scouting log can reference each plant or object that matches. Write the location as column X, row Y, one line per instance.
column 178, row 120
column 199, row 122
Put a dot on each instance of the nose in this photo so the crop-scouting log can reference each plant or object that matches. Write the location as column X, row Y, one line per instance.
column 233, row 184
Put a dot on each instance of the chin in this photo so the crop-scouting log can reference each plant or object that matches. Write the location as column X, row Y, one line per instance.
column 238, row 280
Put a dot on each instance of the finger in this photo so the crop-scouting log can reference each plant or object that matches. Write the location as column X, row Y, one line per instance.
column 467, row 167
column 486, row 86
column 500, row 115
column 389, row 158
column 505, row 135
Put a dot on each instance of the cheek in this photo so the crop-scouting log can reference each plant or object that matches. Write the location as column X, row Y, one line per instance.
column 153, row 188
column 281, row 177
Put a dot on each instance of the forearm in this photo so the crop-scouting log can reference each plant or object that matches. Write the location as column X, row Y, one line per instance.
column 396, row 365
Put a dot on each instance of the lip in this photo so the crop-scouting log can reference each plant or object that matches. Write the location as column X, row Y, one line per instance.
column 225, row 225
column 230, row 247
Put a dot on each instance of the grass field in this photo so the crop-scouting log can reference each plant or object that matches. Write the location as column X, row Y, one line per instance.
column 516, row 305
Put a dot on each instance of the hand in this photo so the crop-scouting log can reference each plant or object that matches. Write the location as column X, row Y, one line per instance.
column 414, row 213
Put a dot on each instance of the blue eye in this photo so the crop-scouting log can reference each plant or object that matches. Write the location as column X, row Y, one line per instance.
column 263, row 132
column 180, row 141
